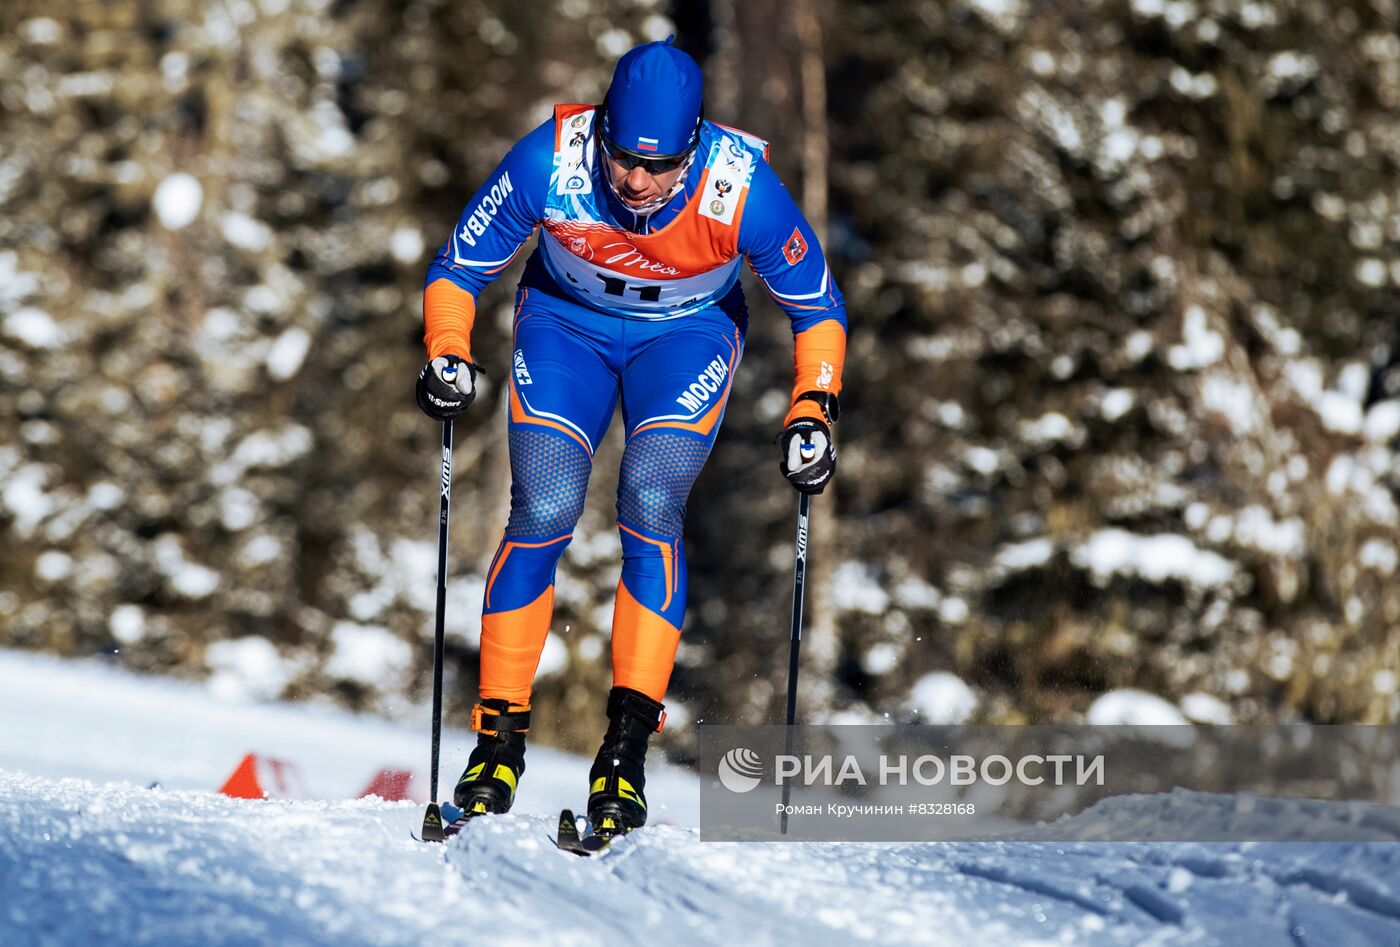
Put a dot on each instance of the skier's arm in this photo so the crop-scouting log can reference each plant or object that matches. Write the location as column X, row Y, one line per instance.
column 784, row 252
column 494, row 225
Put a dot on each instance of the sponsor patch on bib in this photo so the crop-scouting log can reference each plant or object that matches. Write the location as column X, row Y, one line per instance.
column 572, row 171
column 730, row 168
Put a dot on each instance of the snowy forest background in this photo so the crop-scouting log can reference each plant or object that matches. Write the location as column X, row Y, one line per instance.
column 1122, row 404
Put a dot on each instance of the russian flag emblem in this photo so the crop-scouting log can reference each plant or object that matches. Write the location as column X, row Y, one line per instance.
column 647, row 144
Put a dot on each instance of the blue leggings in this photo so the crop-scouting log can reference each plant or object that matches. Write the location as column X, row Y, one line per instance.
column 570, row 365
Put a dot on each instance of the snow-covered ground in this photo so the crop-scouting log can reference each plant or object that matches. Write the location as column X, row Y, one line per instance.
column 87, row 854
column 83, row 719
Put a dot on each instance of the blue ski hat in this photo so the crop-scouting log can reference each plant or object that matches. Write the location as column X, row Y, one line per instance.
column 653, row 104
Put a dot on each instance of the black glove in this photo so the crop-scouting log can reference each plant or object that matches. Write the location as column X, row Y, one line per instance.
column 446, row 387
column 808, row 454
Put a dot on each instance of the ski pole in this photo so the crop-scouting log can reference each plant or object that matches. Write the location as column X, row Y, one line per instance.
column 432, row 819
column 799, row 580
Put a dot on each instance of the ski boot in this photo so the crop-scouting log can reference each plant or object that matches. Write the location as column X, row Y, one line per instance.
column 616, row 804
column 495, row 766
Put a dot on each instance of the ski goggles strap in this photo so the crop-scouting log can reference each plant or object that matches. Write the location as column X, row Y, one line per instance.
column 491, row 721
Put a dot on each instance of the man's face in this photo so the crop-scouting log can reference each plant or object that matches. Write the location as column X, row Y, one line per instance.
column 638, row 186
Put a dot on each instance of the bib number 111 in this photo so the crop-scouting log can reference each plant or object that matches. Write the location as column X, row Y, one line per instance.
column 619, row 287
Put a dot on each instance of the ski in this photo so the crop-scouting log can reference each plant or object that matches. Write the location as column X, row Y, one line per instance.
column 568, row 838
column 442, row 822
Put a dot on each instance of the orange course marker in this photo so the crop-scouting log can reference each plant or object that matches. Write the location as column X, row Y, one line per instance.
column 261, row 777
column 391, row 785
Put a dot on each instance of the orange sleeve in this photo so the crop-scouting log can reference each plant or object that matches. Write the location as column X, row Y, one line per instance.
column 448, row 314
column 819, row 354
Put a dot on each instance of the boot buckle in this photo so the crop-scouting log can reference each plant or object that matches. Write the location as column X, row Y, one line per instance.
column 514, row 720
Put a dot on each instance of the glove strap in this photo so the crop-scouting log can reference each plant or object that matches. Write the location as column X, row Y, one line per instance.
column 831, row 406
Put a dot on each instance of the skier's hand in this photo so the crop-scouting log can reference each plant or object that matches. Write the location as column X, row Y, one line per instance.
column 808, row 454
column 446, row 387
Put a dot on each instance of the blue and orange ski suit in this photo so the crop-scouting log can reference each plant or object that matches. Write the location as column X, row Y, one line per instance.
column 615, row 306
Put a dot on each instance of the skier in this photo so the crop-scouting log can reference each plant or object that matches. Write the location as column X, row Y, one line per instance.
column 633, row 292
